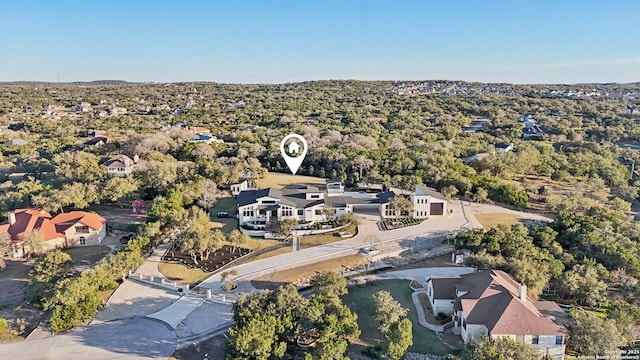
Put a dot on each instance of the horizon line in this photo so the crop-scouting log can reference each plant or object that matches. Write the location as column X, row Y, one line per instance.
column 300, row 82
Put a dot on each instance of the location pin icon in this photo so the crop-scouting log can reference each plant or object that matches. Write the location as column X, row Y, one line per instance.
column 293, row 152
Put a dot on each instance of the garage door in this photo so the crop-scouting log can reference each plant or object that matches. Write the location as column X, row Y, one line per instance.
column 437, row 209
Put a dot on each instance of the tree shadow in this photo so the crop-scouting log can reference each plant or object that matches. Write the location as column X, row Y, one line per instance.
column 137, row 306
column 138, row 336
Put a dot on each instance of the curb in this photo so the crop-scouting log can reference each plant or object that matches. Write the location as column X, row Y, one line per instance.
column 196, row 338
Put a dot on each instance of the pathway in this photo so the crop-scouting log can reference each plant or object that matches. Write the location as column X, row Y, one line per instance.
column 180, row 309
column 150, row 266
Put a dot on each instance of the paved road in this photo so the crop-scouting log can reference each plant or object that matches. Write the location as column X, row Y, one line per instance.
column 136, row 338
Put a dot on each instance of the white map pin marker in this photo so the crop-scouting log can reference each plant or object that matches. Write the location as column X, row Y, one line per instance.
column 294, row 152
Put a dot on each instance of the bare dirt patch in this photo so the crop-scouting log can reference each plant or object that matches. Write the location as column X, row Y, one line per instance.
column 13, row 279
column 303, row 274
column 87, row 255
column 440, row 261
column 119, row 216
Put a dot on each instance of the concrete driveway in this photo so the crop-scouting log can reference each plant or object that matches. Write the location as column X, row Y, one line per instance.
column 137, row 338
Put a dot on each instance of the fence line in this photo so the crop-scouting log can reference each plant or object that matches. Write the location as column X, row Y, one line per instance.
column 159, row 281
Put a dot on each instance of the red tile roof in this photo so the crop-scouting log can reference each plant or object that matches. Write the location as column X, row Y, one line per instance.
column 28, row 220
column 64, row 221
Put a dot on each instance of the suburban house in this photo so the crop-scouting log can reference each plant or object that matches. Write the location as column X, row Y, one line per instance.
column 236, row 189
column 503, row 147
column 531, row 129
column 303, row 203
column 476, row 125
column 309, row 204
column 16, row 142
column 95, row 141
column 426, row 202
column 83, row 107
column 207, row 139
column 120, row 165
column 75, row 228
column 492, row 302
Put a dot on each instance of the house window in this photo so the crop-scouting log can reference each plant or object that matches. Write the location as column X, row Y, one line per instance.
column 315, row 196
column 82, row 229
column 535, row 339
column 559, row 340
column 318, row 212
column 464, row 324
column 300, row 212
column 268, row 201
column 83, row 241
column 247, row 213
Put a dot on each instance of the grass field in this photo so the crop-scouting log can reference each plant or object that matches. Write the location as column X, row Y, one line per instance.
column 360, row 299
column 268, row 254
column 272, row 281
column 321, row 239
column 181, row 273
column 280, row 180
column 491, row 220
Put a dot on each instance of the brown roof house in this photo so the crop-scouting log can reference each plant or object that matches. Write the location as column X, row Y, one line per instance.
column 75, row 228
column 120, row 165
column 491, row 302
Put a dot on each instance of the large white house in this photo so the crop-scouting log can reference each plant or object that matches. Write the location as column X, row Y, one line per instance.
column 309, row 204
column 303, row 203
column 491, row 302
column 426, row 202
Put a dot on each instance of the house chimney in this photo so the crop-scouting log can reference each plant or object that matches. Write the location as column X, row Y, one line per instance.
column 522, row 292
column 12, row 217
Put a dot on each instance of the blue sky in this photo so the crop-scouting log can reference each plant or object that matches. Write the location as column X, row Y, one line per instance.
column 518, row 41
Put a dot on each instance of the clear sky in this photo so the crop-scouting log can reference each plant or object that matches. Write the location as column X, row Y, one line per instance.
column 518, row 41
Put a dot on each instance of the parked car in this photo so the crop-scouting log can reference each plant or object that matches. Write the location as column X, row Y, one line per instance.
column 222, row 214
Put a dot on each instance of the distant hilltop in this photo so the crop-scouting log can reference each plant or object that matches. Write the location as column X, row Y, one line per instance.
column 394, row 83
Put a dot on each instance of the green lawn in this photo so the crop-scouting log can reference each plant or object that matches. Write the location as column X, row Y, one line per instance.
column 360, row 299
